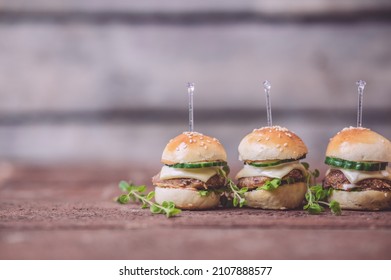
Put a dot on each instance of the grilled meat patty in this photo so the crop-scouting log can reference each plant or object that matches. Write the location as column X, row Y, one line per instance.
column 258, row 181
column 336, row 179
column 216, row 181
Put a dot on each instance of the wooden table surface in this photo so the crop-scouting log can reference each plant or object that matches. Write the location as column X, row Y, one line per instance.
column 68, row 213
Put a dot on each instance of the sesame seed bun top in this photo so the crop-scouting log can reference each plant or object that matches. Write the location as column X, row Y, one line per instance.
column 359, row 144
column 270, row 143
column 191, row 147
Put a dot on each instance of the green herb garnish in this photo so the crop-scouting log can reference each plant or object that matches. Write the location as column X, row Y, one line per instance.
column 204, row 193
column 270, row 185
column 136, row 194
column 316, row 195
column 233, row 192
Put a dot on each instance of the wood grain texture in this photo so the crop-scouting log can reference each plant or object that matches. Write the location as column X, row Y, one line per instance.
column 68, row 213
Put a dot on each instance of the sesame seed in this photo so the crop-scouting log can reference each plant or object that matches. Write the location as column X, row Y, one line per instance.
column 353, row 127
column 278, row 145
column 279, row 128
column 279, row 135
column 285, row 144
column 191, row 141
column 192, row 133
column 182, row 146
column 267, row 138
column 208, row 141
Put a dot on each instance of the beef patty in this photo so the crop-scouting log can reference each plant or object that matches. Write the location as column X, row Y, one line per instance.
column 258, row 181
column 336, row 179
column 216, row 181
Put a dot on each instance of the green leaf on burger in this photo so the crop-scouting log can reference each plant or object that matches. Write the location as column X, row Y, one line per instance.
column 203, row 193
column 270, row 185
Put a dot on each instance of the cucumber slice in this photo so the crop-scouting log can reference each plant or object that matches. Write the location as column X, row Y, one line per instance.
column 355, row 165
column 273, row 163
column 199, row 164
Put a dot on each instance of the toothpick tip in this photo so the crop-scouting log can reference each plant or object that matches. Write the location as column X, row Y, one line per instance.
column 267, row 85
column 190, row 86
column 361, row 84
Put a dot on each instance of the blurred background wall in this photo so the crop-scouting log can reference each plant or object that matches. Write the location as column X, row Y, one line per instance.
column 103, row 82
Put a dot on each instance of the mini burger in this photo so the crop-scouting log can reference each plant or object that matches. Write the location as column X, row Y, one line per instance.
column 272, row 173
column 195, row 168
column 359, row 174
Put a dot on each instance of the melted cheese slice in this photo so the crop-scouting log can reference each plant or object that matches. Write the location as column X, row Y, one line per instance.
column 355, row 176
column 277, row 171
column 347, row 187
column 202, row 174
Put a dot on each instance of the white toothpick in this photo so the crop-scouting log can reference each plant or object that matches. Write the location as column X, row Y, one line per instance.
column 361, row 85
column 190, row 91
column 266, row 87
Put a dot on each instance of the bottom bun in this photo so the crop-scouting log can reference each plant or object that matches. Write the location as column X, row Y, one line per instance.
column 187, row 199
column 362, row 200
column 284, row 197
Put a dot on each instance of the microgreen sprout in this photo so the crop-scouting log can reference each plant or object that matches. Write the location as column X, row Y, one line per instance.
column 203, row 193
column 234, row 192
column 137, row 194
column 316, row 195
column 270, row 185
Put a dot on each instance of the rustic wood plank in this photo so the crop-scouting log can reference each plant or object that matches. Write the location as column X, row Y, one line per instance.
column 207, row 244
column 50, row 212
column 47, row 216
